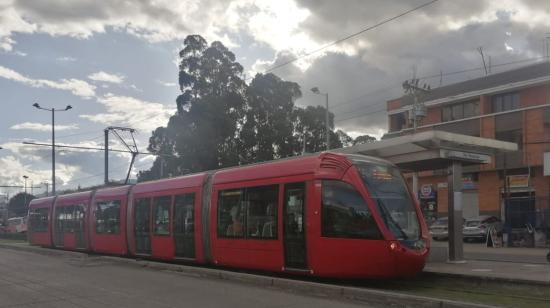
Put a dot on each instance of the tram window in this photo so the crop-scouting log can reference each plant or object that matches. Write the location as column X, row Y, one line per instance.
column 183, row 214
column 345, row 213
column 38, row 219
column 68, row 219
column 162, row 215
column 107, row 217
column 262, row 212
column 252, row 209
column 231, row 210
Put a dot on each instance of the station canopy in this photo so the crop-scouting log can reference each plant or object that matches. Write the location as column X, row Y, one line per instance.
column 431, row 150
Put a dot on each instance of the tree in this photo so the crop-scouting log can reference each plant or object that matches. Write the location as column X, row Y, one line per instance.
column 344, row 138
column 19, row 204
column 267, row 132
column 203, row 134
column 364, row 139
column 310, row 124
column 221, row 121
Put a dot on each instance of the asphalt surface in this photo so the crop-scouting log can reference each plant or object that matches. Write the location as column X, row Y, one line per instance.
column 34, row 280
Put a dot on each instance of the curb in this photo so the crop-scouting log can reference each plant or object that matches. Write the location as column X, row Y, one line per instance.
column 368, row 296
column 489, row 279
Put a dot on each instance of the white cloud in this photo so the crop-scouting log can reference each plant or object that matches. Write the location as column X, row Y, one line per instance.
column 106, row 77
column 129, row 111
column 66, row 59
column 166, row 84
column 76, row 86
column 508, row 47
column 43, row 127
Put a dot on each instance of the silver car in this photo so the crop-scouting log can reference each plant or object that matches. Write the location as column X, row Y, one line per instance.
column 439, row 229
column 477, row 228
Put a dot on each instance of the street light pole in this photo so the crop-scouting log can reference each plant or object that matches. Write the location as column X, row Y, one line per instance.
column 25, row 195
column 52, row 110
column 327, row 131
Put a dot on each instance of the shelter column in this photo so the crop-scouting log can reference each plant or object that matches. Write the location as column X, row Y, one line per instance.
column 455, row 212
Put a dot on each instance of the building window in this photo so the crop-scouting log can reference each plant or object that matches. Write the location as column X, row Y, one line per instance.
column 107, row 217
column 504, row 102
column 460, row 111
column 248, row 212
column 162, row 215
column 398, row 121
column 345, row 213
column 38, row 219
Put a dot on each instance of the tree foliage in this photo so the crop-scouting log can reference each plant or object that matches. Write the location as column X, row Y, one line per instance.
column 19, row 204
column 222, row 121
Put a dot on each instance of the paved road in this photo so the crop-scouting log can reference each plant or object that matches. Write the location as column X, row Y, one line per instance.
column 34, row 280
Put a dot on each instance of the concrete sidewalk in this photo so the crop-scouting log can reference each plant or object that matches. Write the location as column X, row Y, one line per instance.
column 519, row 265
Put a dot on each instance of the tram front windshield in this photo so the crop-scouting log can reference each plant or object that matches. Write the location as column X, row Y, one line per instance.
column 387, row 188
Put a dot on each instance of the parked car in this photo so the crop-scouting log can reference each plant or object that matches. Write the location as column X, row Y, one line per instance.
column 477, row 228
column 439, row 228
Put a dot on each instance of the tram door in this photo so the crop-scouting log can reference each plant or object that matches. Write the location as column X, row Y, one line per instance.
column 184, row 226
column 142, row 226
column 79, row 226
column 294, row 226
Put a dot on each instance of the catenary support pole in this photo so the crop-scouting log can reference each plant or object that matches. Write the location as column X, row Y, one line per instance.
column 106, row 131
column 455, row 212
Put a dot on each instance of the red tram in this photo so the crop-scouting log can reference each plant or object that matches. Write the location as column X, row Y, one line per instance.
column 328, row 214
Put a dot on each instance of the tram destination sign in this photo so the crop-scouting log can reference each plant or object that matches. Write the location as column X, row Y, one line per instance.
column 466, row 156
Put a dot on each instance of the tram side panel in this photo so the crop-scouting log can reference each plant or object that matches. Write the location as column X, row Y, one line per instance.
column 70, row 228
column 340, row 245
column 40, row 221
column 107, row 221
column 164, row 219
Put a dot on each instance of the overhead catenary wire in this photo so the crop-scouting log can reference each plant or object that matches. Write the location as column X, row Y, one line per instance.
column 338, row 41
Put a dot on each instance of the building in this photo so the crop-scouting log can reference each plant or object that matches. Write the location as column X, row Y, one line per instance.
column 510, row 106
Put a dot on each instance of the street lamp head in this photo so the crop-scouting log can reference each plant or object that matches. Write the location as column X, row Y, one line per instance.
column 68, row 107
column 25, row 177
column 36, row 105
column 315, row 90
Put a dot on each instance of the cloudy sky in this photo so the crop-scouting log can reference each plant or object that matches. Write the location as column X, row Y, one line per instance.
column 115, row 63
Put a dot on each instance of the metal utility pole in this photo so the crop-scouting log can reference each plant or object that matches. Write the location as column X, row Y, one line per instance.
column 52, row 110
column 456, row 253
column 316, row 91
column 25, row 195
column 418, row 111
column 106, row 131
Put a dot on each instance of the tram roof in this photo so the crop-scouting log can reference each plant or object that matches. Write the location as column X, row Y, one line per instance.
column 434, row 149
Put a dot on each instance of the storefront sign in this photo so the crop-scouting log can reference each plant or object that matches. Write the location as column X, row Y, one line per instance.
column 466, row 156
column 468, row 183
column 427, row 192
column 518, row 181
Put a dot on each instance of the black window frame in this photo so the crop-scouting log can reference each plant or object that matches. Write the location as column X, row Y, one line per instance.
column 505, row 102
column 458, row 111
column 168, row 221
column 326, row 215
column 38, row 220
column 188, row 200
column 245, row 208
column 103, row 223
